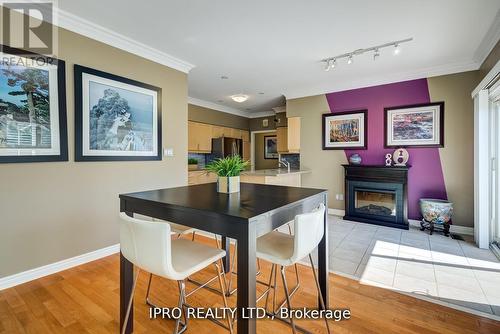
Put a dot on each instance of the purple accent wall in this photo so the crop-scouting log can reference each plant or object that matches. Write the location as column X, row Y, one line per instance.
column 426, row 175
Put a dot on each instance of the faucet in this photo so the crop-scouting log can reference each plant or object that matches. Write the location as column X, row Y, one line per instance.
column 284, row 163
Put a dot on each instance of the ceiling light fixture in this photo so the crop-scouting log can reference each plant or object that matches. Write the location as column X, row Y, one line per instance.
column 240, row 98
column 331, row 62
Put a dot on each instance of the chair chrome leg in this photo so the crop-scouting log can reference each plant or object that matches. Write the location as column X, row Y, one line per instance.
column 129, row 307
column 285, row 286
column 321, row 299
column 182, row 302
column 223, row 288
column 194, row 233
column 295, row 265
column 268, row 292
column 147, row 291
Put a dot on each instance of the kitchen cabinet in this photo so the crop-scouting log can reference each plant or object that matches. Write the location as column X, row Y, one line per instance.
column 288, row 137
column 246, row 150
column 199, row 137
column 282, row 139
column 293, row 134
column 201, row 176
column 217, row 131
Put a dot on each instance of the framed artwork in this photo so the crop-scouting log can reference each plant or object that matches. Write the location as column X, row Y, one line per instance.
column 270, row 147
column 420, row 125
column 345, row 130
column 116, row 119
column 33, row 126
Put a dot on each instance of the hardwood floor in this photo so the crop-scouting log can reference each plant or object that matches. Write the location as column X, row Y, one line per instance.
column 84, row 299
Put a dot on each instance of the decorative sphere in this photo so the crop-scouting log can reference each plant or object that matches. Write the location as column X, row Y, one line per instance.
column 355, row 159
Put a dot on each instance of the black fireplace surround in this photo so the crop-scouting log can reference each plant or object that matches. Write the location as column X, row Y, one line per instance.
column 377, row 195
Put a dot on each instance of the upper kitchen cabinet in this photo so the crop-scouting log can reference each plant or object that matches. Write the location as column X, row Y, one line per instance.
column 199, row 137
column 288, row 137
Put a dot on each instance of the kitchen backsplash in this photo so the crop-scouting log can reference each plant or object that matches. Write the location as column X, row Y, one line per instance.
column 293, row 159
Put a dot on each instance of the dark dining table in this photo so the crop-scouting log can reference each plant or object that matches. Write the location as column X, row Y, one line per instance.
column 244, row 216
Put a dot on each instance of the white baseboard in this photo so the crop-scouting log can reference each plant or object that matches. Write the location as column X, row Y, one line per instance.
column 453, row 228
column 32, row 274
column 336, row 212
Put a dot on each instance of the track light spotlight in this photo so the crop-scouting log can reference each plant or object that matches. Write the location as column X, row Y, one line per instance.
column 349, row 60
column 397, row 49
column 376, row 54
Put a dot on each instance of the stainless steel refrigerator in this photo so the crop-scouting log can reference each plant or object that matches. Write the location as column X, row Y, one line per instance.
column 224, row 146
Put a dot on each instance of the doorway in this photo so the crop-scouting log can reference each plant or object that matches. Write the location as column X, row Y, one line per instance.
column 258, row 157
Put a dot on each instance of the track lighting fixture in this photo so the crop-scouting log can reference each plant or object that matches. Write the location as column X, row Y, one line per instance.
column 331, row 62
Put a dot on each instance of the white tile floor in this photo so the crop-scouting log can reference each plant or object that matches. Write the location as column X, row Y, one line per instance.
column 437, row 267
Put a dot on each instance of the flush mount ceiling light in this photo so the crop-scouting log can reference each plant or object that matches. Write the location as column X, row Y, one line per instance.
column 239, row 98
column 331, row 62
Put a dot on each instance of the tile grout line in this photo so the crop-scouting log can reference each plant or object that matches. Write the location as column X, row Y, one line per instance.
column 478, row 281
column 397, row 260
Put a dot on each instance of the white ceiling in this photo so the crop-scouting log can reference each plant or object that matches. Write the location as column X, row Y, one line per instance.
column 275, row 47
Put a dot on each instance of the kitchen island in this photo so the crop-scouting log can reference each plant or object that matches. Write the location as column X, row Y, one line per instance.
column 280, row 177
column 276, row 176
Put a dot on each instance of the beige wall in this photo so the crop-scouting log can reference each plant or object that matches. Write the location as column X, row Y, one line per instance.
column 489, row 62
column 457, row 155
column 327, row 172
column 260, row 162
column 214, row 117
column 54, row 211
column 256, row 123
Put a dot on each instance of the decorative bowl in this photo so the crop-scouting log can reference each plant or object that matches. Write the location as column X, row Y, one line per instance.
column 436, row 211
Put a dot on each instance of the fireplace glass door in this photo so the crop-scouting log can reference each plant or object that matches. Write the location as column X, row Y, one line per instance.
column 378, row 203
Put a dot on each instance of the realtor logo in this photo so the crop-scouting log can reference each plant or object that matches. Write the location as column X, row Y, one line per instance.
column 28, row 25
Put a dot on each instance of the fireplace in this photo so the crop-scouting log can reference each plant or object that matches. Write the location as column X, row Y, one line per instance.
column 376, row 195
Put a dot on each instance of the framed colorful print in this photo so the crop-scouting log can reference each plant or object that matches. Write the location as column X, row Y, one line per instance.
column 345, row 130
column 116, row 119
column 270, row 147
column 420, row 125
column 33, row 125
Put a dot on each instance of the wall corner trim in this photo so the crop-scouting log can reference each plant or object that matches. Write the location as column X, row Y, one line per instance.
column 49, row 269
column 89, row 29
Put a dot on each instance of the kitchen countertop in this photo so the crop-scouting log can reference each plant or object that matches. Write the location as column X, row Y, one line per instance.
column 275, row 172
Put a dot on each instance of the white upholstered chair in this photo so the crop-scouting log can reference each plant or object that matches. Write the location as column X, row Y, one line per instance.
column 284, row 250
column 149, row 247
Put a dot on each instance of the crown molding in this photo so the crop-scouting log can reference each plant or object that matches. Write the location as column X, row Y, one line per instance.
column 89, row 29
column 258, row 114
column 279, row 109
column 385, row 79
column 489, row 41
column 218, row 107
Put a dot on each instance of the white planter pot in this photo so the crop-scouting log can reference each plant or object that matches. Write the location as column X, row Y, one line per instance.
column 229, row 184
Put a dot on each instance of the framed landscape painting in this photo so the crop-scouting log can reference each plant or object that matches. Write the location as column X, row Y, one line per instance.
column 419, row 125
column 345, row 130
column 32, row 107
column 270, row 147
column 117, row 119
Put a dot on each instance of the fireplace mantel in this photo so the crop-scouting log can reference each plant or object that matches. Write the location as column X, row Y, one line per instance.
column 377, row 194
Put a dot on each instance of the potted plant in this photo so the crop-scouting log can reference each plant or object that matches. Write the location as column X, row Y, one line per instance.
column 228, row 173
column 192, row 164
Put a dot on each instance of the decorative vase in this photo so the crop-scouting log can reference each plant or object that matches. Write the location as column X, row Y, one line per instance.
column 436, row 212
column 228, row 184
column 355, row 159
column 192, row 166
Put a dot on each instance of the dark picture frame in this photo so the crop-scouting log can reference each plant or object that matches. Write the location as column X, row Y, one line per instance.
column 359, row 117
column 81, row 138
column 61, row 126
column 267, row 154
column 413, row 122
